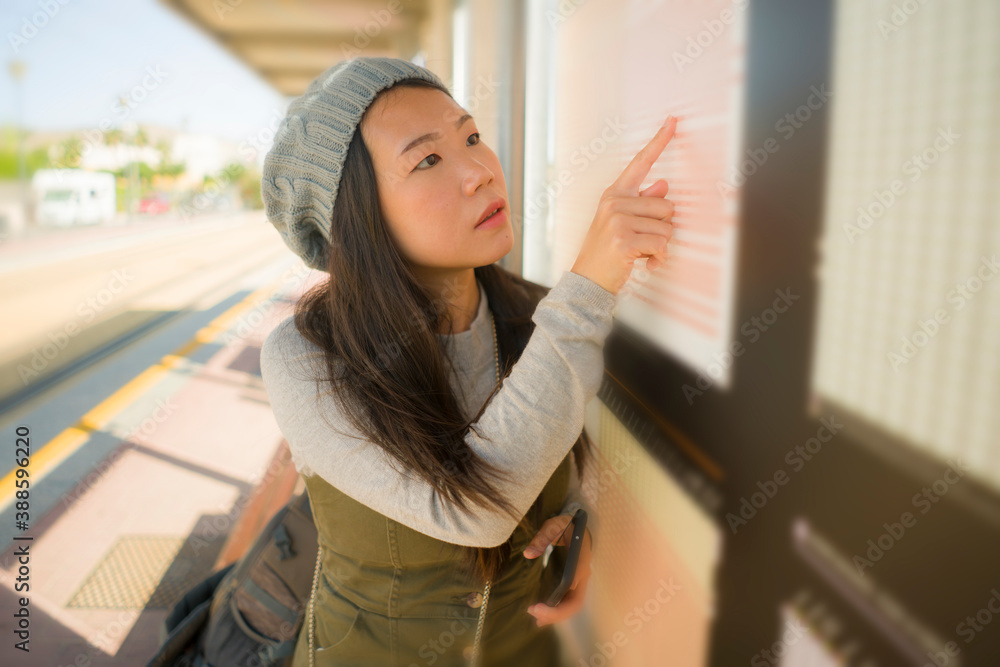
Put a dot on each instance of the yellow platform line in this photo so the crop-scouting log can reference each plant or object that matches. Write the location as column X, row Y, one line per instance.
column 61, row 447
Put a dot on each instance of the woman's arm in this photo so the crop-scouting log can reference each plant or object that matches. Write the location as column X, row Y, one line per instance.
column 531, row 422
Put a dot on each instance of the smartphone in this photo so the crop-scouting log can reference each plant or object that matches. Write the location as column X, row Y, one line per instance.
column 560, row 559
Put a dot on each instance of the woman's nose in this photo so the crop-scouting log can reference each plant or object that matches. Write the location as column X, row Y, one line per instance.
column 476, row 174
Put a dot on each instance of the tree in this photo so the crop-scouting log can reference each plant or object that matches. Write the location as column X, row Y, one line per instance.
column 70, row 152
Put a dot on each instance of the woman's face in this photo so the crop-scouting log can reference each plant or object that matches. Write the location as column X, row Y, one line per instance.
column 434, row 193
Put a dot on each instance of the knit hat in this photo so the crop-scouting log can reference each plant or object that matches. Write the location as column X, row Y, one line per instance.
column 301, row 173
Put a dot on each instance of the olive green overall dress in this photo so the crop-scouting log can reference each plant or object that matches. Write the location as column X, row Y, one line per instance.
column 389, row 596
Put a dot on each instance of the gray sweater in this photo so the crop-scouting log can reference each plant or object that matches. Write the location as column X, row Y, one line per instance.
column 532, row 421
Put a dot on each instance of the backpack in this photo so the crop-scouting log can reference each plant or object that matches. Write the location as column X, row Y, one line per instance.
column 250, row 612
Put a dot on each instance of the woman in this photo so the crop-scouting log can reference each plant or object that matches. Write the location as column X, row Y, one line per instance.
column 434, row 485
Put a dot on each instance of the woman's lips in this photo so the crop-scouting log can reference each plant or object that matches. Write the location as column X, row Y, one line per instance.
column 497, row 218
column 497, row 203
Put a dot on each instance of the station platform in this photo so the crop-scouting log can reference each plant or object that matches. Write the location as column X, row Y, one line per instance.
column 167, row 476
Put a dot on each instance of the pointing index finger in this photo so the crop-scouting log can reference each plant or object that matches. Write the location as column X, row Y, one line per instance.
column 636, row 171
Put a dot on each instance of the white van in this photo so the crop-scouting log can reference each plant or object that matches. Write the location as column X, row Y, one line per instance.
column 65, row 197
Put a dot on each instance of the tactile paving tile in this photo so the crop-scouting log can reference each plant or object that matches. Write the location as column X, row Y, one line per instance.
column 146, row 572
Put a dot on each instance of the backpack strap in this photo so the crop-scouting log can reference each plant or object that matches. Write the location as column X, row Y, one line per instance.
column 187, row 619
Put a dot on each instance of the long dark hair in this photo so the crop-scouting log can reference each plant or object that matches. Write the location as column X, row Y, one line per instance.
column 376, row 327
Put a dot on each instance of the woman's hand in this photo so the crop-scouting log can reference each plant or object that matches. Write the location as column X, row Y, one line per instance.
column 629, row 224
column 572, row 602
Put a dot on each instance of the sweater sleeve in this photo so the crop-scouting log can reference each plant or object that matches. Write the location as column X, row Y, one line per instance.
column 528, row 427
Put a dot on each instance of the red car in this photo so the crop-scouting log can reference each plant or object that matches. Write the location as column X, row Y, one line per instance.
column 154, row 204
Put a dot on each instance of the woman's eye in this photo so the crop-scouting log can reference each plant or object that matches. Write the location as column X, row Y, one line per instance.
column 435, row 155
column 425, row 160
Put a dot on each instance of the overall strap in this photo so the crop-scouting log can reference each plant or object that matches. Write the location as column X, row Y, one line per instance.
column 479, row 628
column 312, row 603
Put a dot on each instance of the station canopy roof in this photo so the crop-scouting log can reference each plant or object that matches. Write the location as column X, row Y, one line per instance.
column 290, row 42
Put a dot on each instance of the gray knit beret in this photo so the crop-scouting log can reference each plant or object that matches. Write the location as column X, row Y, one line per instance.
column 301, row 172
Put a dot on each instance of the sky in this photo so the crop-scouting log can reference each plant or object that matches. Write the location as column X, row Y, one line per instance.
column 92, row 52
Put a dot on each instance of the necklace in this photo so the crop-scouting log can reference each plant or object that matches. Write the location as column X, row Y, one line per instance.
column 486, row 590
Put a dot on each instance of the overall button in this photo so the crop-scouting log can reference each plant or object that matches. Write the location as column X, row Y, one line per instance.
column 474, row 600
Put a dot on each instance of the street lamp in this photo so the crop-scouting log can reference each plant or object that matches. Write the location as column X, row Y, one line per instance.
column 130, row 129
